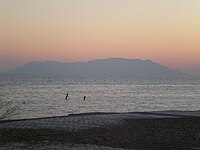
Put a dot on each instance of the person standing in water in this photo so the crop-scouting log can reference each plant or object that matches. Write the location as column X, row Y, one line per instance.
column 67, row 96
column 84, row 98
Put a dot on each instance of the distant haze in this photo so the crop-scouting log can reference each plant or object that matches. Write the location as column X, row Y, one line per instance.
column 101, row 67
column 165, row 31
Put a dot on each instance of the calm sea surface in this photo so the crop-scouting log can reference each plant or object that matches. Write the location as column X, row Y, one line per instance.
column 41, row 96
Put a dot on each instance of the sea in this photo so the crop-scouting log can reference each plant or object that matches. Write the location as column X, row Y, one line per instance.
column 35, row 96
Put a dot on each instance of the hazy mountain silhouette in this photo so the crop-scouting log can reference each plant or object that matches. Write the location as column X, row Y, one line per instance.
column 101, row 67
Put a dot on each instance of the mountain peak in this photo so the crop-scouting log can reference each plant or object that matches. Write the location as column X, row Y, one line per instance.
column 101, row 67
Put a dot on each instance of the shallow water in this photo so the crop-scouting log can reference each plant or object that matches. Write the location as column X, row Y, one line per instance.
column 42, row 95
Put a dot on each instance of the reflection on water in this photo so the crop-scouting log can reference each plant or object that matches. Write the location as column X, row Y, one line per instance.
column 40, row 96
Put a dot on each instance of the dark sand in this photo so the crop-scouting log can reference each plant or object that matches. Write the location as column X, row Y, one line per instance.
column 141, row 134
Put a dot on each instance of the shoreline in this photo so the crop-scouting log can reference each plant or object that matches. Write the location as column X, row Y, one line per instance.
column 179, row 113
column 134, row 130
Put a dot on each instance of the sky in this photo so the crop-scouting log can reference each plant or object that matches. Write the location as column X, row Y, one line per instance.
column 164, row 31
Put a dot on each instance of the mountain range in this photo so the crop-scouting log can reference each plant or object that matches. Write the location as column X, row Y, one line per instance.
column 101, row 67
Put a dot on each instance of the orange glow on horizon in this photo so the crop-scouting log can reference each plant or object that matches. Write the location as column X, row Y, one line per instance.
column 166, row 32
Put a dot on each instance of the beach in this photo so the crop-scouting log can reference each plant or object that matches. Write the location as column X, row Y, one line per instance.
column 133, row 130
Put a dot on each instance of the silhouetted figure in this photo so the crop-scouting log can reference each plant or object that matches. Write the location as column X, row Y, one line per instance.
column 67, row 96
column 84, row 98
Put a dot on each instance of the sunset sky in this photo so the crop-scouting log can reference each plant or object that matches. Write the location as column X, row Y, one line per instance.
column 164, row 31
